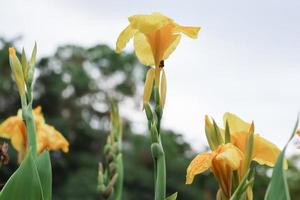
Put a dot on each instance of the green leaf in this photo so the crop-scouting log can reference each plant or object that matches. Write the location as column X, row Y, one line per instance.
column 32, row 180
column 241, row 189
column 43, row 164
column 24, row 183
column 278, row 188
column 172, row 197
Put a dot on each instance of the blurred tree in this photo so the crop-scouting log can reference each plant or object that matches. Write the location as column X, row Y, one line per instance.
column 73, row 87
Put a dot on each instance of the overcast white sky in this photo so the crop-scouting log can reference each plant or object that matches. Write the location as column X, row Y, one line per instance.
column 246, row 59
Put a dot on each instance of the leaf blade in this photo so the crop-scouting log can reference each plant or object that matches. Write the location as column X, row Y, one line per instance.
column 278, row 187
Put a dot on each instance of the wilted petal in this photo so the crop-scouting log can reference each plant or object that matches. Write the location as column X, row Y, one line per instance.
column 50, row 138
column 42, row 142
column 149, row 84
column 18, row 141
column 199, row 164
column 190, row 31
column 148, row 23
column 230, row 155
column 47, row 136
column 236, row 124
column 124, row 37
column 163, row 88
column 38, row 116
column 143, row 49
column 12, row 126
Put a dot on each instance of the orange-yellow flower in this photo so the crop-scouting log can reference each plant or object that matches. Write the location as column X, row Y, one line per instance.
column 155, row 38
column 47, row 136
column 264, row 151
column 222, row 162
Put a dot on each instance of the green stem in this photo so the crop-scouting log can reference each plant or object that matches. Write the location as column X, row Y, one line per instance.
column 235, row 180
column 155, row 170
column 30, row 127
column 28, row 118
column 119, row 185
column 160, row 183
column 157, row 150
column 161, row 176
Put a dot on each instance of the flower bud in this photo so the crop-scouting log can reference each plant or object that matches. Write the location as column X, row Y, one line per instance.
column 17, row 70
column 148, row 111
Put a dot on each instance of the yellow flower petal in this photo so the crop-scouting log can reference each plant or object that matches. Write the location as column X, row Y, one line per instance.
column 163, row 89
column 143, row 49
column 239, row 139
column 199, row 164
column 190, row 31
column 265, row 152
column 148, row 23
column 149, row 84
column 163, row 42
column 124, row 37
column 175, row 39
column 236, row 124
column 230, row 155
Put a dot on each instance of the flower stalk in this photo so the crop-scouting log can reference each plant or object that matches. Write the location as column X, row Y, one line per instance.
column 157, row 150
column 110, row 179
column 23, row 73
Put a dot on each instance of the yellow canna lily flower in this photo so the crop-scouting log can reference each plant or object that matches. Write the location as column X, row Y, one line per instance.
column 264, row 152
column 47, row 136
column 222, row 162
column 155, row 38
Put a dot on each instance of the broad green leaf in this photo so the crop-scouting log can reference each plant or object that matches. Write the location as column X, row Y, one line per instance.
column 172, row 197
column 43, row 164
column 25, row 183
column 278, row 188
